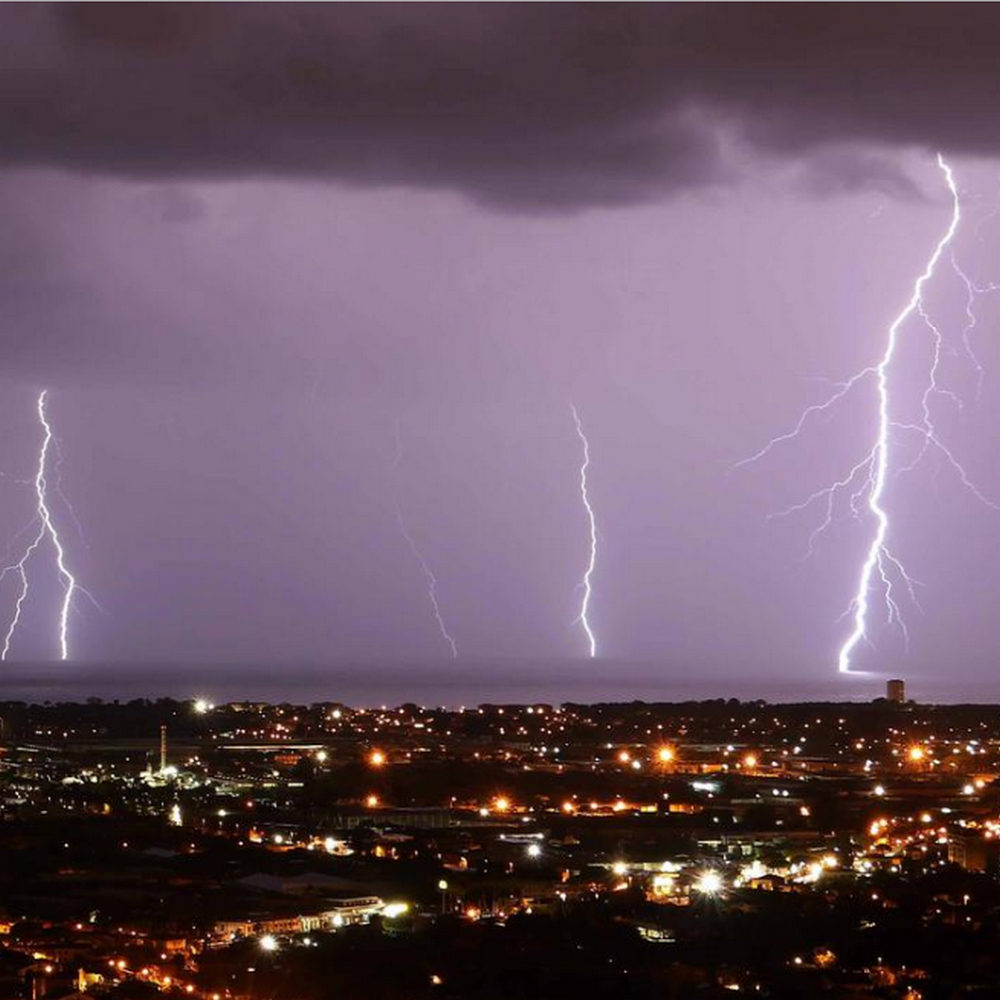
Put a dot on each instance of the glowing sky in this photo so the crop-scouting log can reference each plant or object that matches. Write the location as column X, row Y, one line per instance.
column 241, row 244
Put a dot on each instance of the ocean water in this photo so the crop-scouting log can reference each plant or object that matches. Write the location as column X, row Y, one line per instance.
column 460, row 683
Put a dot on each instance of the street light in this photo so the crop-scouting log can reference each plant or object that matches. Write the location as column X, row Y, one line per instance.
column 709, row 884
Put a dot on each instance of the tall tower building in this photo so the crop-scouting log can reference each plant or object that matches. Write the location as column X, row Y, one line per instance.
column 895, row 691
column 163, row 748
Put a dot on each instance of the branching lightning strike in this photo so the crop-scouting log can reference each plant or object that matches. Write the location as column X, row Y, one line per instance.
column 585, row 497
column 47, row 529
column 867, row 479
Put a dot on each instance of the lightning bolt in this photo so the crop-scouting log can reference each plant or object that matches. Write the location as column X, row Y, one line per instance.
column 585, row 582
column 46, row 528
column 972, row 293
column 419, row 556
column 866, row 480
column 431, row 581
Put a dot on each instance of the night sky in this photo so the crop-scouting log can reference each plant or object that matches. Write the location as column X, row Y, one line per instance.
column 284, row 269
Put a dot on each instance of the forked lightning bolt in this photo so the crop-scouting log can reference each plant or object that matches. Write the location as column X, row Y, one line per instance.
column 867, row 479
column 46, row 529
column 972, row 292
column 591, row 562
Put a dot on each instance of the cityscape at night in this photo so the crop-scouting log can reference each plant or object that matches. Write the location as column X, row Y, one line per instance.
column 631, row 849
column 499, row 501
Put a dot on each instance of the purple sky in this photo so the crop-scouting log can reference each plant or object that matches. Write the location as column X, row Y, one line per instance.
column 242, row 244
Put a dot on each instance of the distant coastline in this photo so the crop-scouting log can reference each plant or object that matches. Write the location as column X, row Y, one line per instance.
column 453, row 685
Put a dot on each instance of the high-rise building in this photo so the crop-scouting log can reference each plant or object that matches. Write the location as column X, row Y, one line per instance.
column 895, row 691
column 163, row 748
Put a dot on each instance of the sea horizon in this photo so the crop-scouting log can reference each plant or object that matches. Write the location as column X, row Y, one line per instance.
column 457, row 684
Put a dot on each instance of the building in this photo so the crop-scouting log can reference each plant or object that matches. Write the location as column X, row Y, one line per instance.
column 895, row 691
column 974, row 853
column 341, row 913
column 352, row 910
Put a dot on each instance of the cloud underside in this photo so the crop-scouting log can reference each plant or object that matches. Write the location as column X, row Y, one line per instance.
column 522, row 106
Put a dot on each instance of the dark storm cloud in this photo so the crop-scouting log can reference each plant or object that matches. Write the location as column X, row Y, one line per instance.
column 528, row 105
column 846, row 171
